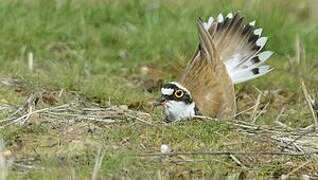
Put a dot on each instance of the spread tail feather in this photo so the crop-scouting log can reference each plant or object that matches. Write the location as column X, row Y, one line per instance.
column 240, row 46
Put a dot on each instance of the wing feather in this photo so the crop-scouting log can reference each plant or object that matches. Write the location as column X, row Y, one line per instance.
column 229, row 52
column 207, row 79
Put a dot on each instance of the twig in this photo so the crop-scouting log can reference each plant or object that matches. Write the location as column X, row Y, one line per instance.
column 309, row 103
column 241, row 112
column 237, row 161
column 25, row 166
column 98, row 162
column 297, row 49
column 23, row 117
column 294, row 170
column 280, row 114
column 260, row 113
column 299, row 137
column 278, row 117
column 241, row 124
column 84, row 117
column 61, row 93
column 139, row 119
column 218, row 153
column 30, row 61
column 254, row 113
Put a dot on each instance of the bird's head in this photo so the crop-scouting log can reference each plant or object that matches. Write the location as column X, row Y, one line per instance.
column 177, row 102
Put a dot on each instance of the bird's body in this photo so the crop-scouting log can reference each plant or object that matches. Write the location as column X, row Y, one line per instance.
column 229, row 53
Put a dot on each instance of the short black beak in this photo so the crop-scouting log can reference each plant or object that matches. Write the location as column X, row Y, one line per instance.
column 160, row 101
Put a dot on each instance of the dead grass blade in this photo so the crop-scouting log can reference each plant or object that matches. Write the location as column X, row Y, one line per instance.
column 309, row 101
column 228, row 153
column 294, row 140
column 98, row 162
column 75, row 112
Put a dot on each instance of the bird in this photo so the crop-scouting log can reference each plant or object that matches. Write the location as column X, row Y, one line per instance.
column 230, row 52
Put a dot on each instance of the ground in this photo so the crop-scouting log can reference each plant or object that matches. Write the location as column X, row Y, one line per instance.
column 102, row 63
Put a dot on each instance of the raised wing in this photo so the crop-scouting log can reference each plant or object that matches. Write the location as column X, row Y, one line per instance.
column 207, row 79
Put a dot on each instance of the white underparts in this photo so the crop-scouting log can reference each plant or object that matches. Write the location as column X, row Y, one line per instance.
column 179, row 110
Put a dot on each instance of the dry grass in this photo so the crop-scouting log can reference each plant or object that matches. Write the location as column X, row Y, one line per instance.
column 81, row 116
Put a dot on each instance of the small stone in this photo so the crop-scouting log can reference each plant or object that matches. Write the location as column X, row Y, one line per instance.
column 7, row 153
column 124, row 107
column 283, row 177
column 165, row 148
column 305, row 177
column 144, row 70
column 289, row 163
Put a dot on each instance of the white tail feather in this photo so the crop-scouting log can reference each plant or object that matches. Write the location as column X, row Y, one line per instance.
column 258, row 31
column 256, row 60
column 250, row 74
column 220, row 18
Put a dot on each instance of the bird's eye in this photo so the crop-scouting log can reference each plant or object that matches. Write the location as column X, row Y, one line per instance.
column 178, row 93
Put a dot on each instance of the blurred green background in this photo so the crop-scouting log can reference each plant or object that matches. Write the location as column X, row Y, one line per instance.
column 96, row 46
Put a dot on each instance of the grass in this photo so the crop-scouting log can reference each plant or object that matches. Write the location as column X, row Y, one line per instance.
column 96, row 48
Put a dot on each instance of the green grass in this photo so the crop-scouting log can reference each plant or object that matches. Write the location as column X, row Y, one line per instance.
column 97, row 48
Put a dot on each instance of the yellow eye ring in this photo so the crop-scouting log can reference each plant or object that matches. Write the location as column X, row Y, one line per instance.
column 178, row 93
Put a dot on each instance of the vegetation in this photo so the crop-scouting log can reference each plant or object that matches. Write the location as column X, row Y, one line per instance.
column 110, row 52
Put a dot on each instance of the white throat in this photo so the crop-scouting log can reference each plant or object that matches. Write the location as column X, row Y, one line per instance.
column 178, row 110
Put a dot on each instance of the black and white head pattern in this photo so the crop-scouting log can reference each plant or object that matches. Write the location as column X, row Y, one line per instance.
column 177, row 102
column 173, row 91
